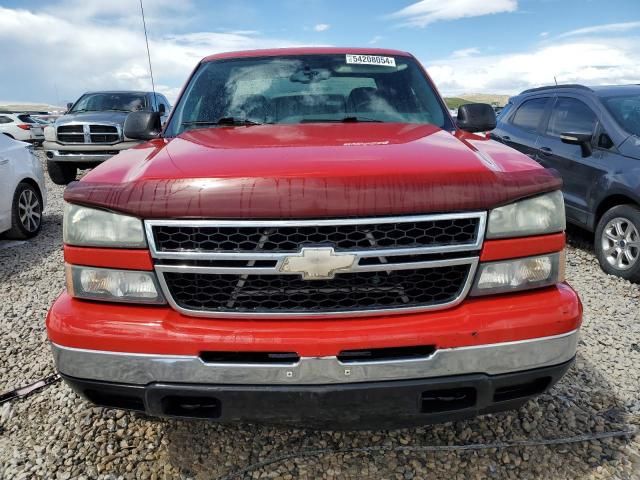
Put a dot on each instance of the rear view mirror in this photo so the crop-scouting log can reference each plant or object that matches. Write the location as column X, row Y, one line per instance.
column 69, row 105
column 581, row 139
column 161, row 109
column 476, row 117
column 142, row 125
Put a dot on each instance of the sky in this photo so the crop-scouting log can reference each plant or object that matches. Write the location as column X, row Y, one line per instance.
column 53, row 51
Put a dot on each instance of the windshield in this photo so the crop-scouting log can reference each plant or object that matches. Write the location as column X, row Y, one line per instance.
column 100, row 102
column 626, row 111
column 307, row 89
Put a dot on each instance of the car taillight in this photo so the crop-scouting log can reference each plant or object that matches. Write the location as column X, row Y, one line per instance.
column 24, row 126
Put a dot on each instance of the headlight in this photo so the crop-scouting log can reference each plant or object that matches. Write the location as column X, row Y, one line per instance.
column 112, row 285
column 50, row 134
column 519, row 274
column 88, row 227
column 532, row 216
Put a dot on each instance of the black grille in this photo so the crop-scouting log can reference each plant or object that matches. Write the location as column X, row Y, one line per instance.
column 70, row 138
column 70, row 129
column 103, row 129
column 104, row 133
column 104, row 138
column 70, row 134
column 290, row 294
column 341, row 237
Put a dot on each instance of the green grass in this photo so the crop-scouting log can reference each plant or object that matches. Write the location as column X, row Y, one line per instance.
column 454, row 102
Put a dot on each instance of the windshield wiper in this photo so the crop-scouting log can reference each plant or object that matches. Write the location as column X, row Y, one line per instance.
column 341, row 120
column 222, row 121
column 360, row 119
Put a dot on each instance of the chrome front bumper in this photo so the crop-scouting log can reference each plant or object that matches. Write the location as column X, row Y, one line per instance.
column 57, row 156
column 142, row 369
column 84, row 152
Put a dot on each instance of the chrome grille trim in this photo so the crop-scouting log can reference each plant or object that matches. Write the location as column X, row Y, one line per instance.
column 249, row 270
column 84, row 137
column 386, row 254
column 373, row 252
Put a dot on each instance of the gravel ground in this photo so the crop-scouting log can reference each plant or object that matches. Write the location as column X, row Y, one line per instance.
column 55, row 434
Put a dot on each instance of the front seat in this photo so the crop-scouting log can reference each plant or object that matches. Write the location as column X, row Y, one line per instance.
column 250, row 107
column 361, row 99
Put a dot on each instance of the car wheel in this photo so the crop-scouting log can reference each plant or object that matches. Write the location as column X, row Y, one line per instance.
column 61, row 173
column 26, row 212
column 617, row 242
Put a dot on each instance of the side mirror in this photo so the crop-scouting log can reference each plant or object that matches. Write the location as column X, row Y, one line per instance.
column 69, row 105
column 581, row 139
column 142, row 125
column 161, row 109
column 604, row 141
column 476, row 117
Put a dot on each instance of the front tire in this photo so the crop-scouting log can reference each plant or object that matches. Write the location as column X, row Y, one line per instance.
column 617, row 242
column 61, row 173
column 26, row 212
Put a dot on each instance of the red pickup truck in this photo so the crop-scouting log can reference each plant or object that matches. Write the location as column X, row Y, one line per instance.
column 312, row 240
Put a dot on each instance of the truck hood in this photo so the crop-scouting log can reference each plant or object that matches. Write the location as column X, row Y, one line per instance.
column 92, row 117
column 311, row 171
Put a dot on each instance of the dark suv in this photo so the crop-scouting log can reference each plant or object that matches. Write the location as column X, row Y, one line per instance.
column 591, row 135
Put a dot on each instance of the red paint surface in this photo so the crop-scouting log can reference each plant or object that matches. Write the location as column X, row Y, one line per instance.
column 108, row 257
column 274, row 52
column 311, row 171
column 130, row 328
column 522, row 247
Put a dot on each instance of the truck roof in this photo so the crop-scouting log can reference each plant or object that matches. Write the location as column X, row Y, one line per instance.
column 600, row 90
column 275, row 52
column 142, row 92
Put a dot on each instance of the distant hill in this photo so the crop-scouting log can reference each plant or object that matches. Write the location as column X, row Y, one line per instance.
column 454, row 102
column 492, row 99
column 499, row 100
column 29, row 107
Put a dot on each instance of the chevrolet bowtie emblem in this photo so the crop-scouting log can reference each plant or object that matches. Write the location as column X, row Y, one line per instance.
column 320, row 263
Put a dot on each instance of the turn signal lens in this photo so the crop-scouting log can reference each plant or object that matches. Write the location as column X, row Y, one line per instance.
column 519, row 274
column 113, row 285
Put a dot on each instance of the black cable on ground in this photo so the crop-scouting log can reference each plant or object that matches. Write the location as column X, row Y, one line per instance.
column 29, row 389
column 431, row 448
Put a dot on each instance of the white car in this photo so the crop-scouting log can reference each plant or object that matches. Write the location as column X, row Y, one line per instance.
column 20, row 126
column 22, row 190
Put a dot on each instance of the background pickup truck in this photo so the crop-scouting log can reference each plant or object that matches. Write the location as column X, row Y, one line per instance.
column 91, row 131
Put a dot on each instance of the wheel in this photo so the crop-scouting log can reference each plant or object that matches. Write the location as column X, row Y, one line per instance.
column 61, row 173
column 617, row 242
column 26, row 212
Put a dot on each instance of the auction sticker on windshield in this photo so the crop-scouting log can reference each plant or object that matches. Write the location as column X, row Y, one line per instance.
column 371, row 60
